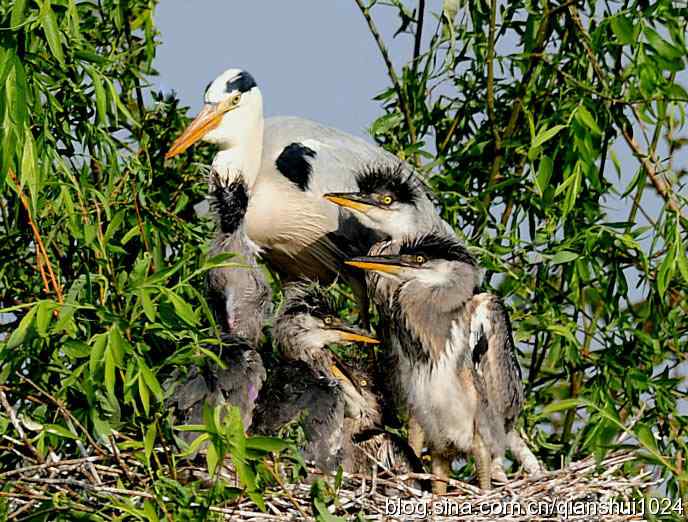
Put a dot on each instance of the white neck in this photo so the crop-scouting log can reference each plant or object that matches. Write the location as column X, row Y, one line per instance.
column 244, row 155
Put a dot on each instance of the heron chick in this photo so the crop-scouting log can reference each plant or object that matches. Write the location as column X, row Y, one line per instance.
column 305, row 328
column 239, row 295
column 458, row 368
column 236, row 381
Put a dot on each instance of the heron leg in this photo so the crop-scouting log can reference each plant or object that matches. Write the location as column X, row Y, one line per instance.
column 415, row 436
column 482, row 461
column 498, row 474
column 523, row 454
column 441, row 465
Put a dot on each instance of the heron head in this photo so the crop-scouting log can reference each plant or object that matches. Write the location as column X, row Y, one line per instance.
column 430, row 259
column 233, row 106
column 388, row 199
column 309, row 319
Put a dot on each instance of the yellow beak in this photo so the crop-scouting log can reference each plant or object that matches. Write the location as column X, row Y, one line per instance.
column 376, row 267
column 351, row 336
column 208, row 119
column 343, row 201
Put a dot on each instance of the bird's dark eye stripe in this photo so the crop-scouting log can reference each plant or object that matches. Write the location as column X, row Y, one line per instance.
column 243, row 82
column 437, row 247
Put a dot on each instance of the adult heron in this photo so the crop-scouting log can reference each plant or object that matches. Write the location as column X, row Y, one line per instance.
column 458, row 366
column 288, row 164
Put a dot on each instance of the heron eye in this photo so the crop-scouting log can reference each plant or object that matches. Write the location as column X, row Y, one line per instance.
column 387, row 200
column 235, row 101
column 363, row 382
column 328, row 320
column 420, row 260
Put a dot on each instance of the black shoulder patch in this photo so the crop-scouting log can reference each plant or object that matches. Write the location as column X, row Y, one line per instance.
column 243, row 82
column 229, row 201
column 293, row 164
column 390, row 179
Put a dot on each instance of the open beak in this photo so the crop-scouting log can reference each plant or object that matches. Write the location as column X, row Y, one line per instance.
column 208, row 119
column 386, row 264
column 349, row 333
column 351, row 200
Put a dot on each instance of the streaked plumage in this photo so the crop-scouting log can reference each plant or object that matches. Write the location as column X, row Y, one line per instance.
column 304, row 327
column 239, row 295
column 457, row 363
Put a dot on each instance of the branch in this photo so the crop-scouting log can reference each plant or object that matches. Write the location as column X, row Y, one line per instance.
column 419, row 34
column 390, row 71
column 490, row 76
column 40, row 247
column 662, row 187
column 17, row 426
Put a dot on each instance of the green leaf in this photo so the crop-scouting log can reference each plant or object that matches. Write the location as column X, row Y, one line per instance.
column 666, row 271
column 29, row 172
column 149, row 511
column 564, row 256
column 268, row 444
column 110, row 373
column 212, row 458
column 544, row 135
column 182, row 308
column 149, row 441
column 17, row 13
column 544, row 173
column 151, row 381
column 97, row 350
column 587, row 119
column 565, row 404
column 20, row 332
column 645, row 437
column 148, row 306
column 60, row 431
column 43, row 317
column 76, row 349
column 323, row 513
column 622, row 28
column 663, row 48
column 51, row 30
column 143, row 394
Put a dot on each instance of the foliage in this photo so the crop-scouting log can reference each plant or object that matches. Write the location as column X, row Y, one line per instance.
column 519, row 112
column 515, row 115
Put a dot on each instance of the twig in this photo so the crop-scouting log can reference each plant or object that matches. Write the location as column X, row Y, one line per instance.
column 17, row 425
column 65, row 413
column 279, row 480
column 419, row 35
column 661, row 186
column 403, row 102
column 40, row 247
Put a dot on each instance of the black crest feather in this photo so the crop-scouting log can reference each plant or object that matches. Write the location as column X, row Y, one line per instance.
column 243, row 82
column 391, row 179
column 437, row 246
column 307, row 297
column 294, row 165
column 229, row 201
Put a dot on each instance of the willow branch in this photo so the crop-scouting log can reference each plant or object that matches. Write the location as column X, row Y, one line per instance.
column 40, row 247
column 403, row 102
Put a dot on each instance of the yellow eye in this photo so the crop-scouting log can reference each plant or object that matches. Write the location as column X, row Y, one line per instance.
column 387, row 200
column 236, row 100
column 420, row 260
column 328, row 320
column 363, row 382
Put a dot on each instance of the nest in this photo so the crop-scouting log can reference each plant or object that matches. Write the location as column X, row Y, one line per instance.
column 585, row 490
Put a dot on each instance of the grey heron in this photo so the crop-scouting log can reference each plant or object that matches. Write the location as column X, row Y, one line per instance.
column 458, row 366
column 289, row 164
column 237, row 381
column 239, row 295
column 304, row 328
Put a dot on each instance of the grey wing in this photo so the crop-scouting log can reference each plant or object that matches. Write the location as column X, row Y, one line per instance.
column 494, row 356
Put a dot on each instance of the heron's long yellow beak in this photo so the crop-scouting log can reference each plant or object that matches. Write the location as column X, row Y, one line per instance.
column 375, row 265
column 208, row 119
column 353, row 336
column 352, row 200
